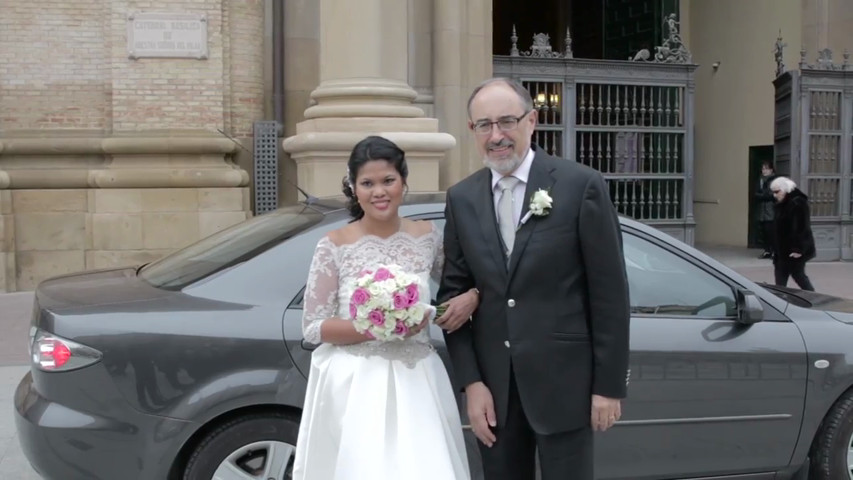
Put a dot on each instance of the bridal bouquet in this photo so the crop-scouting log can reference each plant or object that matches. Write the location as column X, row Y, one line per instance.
column 385, row 303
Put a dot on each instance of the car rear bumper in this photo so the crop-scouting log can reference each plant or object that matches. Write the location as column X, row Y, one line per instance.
column 65, row 443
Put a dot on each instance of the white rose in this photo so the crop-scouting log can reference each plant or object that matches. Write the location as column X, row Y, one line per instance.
column 541, row 202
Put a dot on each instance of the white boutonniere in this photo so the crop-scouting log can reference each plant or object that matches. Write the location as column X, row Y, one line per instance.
column 540, row 205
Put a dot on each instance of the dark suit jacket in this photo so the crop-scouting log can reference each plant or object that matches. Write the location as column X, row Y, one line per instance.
column 559, row 314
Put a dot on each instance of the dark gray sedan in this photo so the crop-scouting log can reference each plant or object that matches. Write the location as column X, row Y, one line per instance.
column 193, row 366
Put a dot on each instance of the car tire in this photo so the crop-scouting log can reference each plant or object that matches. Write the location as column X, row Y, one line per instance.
column 832, row 442
column 246, row 443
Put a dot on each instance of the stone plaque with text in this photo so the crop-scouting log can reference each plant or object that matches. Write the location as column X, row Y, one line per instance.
column 167, row 35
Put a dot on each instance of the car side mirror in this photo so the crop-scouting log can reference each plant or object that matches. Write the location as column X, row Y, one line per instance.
column 749, row 307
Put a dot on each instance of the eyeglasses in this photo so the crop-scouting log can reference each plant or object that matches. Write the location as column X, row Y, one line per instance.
column 505, row 124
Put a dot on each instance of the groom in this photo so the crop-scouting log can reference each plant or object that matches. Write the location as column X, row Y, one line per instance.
column 544, row 359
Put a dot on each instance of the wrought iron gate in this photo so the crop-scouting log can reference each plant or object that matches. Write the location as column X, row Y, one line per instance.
column 813, row 144
column 631, row 120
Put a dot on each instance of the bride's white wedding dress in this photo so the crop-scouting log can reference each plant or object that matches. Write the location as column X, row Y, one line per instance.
column 375, row 410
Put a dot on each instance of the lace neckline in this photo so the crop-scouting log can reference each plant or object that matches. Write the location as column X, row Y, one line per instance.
column 399, row 233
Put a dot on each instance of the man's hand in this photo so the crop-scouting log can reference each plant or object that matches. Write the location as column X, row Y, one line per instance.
column 605, row 412
column 459, row 310
column 481, row 412
column 796, row 255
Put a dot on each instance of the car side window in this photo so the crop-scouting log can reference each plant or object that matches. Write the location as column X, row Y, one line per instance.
column 433, row 285
column 297, row 301
column 663, row 283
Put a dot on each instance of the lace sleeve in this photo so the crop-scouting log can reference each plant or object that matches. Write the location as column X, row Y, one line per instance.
column 321, row 292
column 438, row 262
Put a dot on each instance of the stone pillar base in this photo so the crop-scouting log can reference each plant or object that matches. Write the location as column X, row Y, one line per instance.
column 321, row 156
column 69, row 204
column 66, row 231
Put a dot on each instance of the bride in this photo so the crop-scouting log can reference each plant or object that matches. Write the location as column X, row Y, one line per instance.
column 377, row 410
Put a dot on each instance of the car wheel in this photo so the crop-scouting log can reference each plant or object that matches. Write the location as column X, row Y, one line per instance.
column 253, row 447
column 832, row 451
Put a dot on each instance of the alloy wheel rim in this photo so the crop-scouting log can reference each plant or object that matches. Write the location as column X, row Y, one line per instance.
column 850, row 457
column 265, row 460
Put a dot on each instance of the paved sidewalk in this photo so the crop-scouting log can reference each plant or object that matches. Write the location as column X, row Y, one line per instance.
column 832, row 278
column 13, row 464
column 15, row 309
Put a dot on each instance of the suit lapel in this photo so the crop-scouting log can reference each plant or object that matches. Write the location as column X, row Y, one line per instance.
column 540, row 178
column 484, row 204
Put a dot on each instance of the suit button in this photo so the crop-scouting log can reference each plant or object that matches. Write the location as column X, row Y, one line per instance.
column 510, row 302
column 506, row 343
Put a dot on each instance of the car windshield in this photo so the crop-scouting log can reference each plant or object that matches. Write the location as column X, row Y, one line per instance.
column 229, row 247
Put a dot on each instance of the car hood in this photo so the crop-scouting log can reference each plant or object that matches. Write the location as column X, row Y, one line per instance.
column 101, row 287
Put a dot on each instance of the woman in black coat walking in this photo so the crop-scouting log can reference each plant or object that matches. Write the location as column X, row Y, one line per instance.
column 794, row 240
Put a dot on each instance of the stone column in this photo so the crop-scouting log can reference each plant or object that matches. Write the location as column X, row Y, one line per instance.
column 420, row 54
column 363, row 90
column 462, row 55
column 301, row 77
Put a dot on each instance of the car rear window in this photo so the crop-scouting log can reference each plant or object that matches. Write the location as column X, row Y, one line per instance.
column 229, row 247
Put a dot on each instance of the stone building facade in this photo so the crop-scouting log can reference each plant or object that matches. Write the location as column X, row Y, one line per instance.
column 110, row 158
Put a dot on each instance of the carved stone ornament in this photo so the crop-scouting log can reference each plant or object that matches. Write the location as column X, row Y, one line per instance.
column 778, row 53
column 825, row 62
column 673, row 49
column 541, row 47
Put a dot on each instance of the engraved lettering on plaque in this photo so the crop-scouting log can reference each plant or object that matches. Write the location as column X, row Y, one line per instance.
column 166, row 35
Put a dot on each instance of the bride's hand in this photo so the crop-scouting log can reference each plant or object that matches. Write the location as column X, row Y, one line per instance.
column 459, row 310
column 417, row 328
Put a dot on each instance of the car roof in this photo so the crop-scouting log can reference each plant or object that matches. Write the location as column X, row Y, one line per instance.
column 334, row 204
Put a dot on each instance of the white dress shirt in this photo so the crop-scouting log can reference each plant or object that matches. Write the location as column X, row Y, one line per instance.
column 522, row 173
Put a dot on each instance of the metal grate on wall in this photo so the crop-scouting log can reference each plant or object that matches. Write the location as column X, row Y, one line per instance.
column 266, row 166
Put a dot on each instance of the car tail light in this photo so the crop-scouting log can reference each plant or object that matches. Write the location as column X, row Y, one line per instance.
column 52, row 353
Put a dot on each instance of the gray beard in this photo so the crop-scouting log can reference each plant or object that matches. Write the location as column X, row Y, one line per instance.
column 504, row 167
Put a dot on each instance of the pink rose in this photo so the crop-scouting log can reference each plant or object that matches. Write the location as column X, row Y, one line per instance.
column 382, row 274
column 369, row 335
column 365, row 272
column 360, row 296
column 401, row 301
column 413, row 294
column 401, row 328
column 376, row 317
column 353, row 312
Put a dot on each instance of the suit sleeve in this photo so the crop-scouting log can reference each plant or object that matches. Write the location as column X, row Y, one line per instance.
column 607, row 284
column 456, row 279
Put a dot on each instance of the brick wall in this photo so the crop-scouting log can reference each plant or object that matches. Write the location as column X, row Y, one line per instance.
column 159, row 93
column 246, row 42
column 52, row 68
column 64, row 65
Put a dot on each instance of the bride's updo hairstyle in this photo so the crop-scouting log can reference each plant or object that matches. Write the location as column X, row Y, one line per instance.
column 370, row 149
